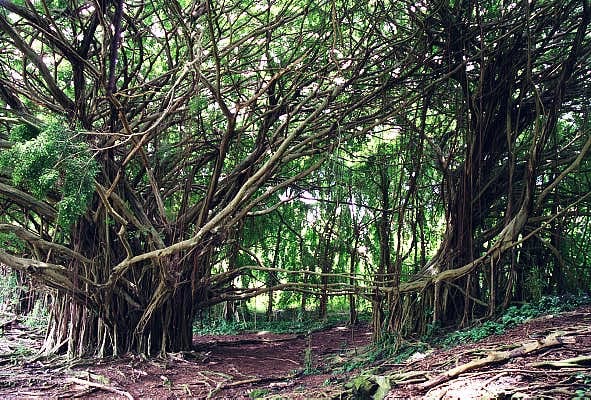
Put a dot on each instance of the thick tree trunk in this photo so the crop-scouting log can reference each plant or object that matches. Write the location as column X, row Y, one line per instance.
column 147, row 310
column 230, row 307
column 79, row 331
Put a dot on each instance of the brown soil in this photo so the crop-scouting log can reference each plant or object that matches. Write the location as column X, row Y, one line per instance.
column 221, row 367
column 238, row 367
column 519, row 377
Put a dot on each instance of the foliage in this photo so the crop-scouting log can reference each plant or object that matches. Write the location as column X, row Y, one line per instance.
column 387, row 348
column 23, row 133
column 258, row 393
column 309, row 359
column 583, row 392
column 38, row 318
column 488, row 328
column 11, row 242
column 512, row 317
column 224, row 327
column 362, row 387
column 50, row 162
column 9, row 290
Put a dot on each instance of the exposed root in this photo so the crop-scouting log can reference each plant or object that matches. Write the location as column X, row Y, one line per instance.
column 494, row 357
column 101, row 386
column 575, row 362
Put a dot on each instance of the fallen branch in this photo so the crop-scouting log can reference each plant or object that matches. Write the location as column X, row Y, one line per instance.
column 494, row 357
column 100, row 386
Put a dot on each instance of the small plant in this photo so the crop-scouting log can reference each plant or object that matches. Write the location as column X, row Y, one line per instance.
column 407, row 351
column 258, row 393
column 474, row 334
column 23, row 351
column 581, row 394
column 19, row 353
column 584, row 392
column 166, row 382
column 328, row 382
column 512, row 317
column 223, row 327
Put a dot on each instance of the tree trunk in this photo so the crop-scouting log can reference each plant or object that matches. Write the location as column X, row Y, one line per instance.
column 73, row 328
column 326, row 260
column 385, row 263
column 230, row 310
column 352, row 271
column 272, row 275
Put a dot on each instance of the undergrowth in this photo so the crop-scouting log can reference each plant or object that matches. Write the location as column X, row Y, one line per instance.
column 388, row 348
column 38, row 318
column 211, row 326
column 512, row 317
column 395, row 350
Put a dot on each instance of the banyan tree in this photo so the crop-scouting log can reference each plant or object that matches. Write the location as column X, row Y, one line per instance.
column 139, row 138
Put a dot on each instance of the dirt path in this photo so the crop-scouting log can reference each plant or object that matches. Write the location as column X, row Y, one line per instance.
column 222, row 367
column 271, row 365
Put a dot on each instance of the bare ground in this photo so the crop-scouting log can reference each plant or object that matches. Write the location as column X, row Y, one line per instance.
column 272, row 365
column 221, row 367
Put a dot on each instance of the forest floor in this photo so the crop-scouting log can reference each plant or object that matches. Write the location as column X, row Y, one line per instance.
column 547, row 357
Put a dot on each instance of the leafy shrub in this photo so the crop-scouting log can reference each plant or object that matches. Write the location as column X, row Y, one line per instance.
column 9, row 241
column 474, row 334
column 518, row 315
column 23, row 132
